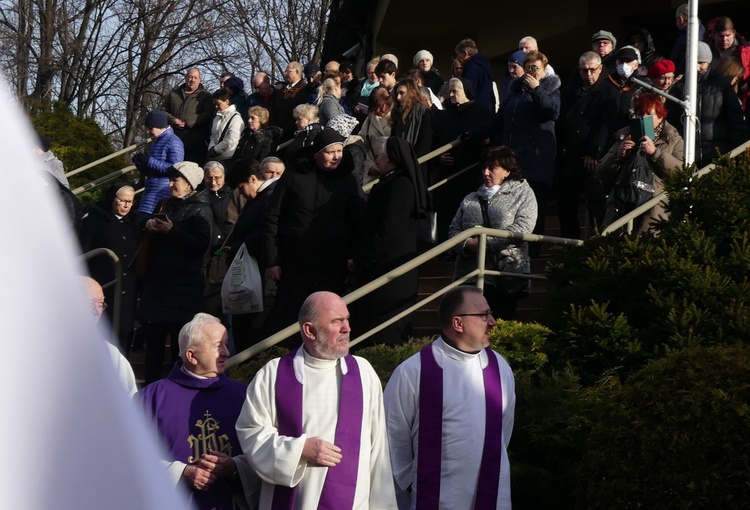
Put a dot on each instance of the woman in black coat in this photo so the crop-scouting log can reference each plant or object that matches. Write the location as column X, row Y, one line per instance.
column 178, row 238
column 113, row 223
column 252, row 184
column 394, row 207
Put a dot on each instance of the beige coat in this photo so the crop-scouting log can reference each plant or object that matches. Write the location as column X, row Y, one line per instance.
column 669, row 155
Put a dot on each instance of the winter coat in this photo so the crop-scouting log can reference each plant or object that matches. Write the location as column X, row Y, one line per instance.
column 618, row 105
column 222, row 147
column 282, row 106
column 477, row 70
column 648, row 55
column 249, row 227
column 196, row 109
column 375, row 131
column 669, row 155
column 219, row 202
column 303, row 138
column 528, row 127
column 582, row 127
column 721, row 120
column 329, row 108
column 163, row 152
column 313, row 218
column 433, row 80
column 259, row 144
column 512, row 208
column 102, row 229
column 174, row 279
column 417, row 130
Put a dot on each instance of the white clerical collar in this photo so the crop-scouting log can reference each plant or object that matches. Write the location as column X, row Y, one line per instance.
column 191, row 374
column 445, row 350
column 302, row 358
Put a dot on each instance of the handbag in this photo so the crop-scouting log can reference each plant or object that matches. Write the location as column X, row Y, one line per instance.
column 242, row 288
column 505, row 263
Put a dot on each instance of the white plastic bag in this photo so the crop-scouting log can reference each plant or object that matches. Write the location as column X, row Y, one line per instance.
column 242, row 288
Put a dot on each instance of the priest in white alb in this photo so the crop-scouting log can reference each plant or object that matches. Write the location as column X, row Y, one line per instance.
column 313, row 423
column 449, row 411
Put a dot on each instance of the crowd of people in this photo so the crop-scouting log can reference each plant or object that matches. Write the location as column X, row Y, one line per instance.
column 318, row 177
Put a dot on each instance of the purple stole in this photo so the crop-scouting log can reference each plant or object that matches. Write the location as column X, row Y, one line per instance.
column 341, row 480
column 431, row 433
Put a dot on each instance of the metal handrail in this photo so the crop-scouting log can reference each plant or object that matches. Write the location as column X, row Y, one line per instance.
column 107, row 158
column 629, row 218
column 480, row 273
column 103, row 180
column 427, row 157
column 117, row 282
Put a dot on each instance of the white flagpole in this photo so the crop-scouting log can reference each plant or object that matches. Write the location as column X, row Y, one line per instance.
column 691, row 78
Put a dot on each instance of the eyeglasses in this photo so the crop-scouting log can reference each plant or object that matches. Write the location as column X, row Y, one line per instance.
column 121, row 201
column 97, row 306
column 589, row 70
column 531, row 69
column 485, row 316
column 665, row 77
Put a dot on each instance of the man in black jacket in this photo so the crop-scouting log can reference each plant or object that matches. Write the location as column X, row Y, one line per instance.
column 583, row 136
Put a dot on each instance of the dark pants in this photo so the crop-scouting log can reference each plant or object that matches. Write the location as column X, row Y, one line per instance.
column 574, row 179
column 156, row 339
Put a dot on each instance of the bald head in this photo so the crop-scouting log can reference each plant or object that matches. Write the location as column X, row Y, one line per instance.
column 324, row 325
column 95, row 295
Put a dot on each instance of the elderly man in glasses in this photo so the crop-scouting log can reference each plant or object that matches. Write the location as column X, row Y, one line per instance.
column 449, row 411
column 584, row 138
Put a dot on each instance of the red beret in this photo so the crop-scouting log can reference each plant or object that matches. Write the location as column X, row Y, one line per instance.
column 661, row 67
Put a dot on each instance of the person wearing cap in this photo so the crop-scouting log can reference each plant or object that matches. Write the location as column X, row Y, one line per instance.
column 583, row 137
column 190, row 111
column 166, row 150
column 477, row 71
column 604, row 43
column 721, row 122
column 236, row 88
column 170, row 261
column 618, row 108
column 662, row 74
column 312, row 221
column 515, row 70
column 423, row 60
column 314, row 77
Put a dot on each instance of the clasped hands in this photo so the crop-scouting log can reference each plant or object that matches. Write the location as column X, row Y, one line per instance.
column 209, row 468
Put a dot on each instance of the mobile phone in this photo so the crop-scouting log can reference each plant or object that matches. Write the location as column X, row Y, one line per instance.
column 160, row 216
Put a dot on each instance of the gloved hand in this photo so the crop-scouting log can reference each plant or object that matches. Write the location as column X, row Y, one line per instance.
column 140, row 160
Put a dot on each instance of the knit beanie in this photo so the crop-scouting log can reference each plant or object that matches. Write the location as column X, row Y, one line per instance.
column 704, row 52
column 517, row 57
column 191, row 172
column 326, row 138
column 422, row 55
column 157, row 119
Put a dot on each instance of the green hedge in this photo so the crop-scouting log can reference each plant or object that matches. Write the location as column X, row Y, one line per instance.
column 675, row 436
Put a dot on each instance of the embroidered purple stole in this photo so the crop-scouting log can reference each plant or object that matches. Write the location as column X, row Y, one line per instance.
column 341, row 481
column 431, row 433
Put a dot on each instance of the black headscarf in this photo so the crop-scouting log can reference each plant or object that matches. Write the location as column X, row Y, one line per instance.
column 401, row 153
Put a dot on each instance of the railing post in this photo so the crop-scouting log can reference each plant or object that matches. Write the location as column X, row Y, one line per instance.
column 481, row 256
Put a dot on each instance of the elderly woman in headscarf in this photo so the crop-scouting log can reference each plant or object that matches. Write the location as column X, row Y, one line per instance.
column 460, row 116
column 395, row 205
column 113, row 223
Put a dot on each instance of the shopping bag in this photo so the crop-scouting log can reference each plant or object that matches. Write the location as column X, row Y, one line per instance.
column 242, row 288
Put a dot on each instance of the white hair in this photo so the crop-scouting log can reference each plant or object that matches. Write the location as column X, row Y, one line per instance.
column 528, row 39
column 193, row 333
column 213, row 164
